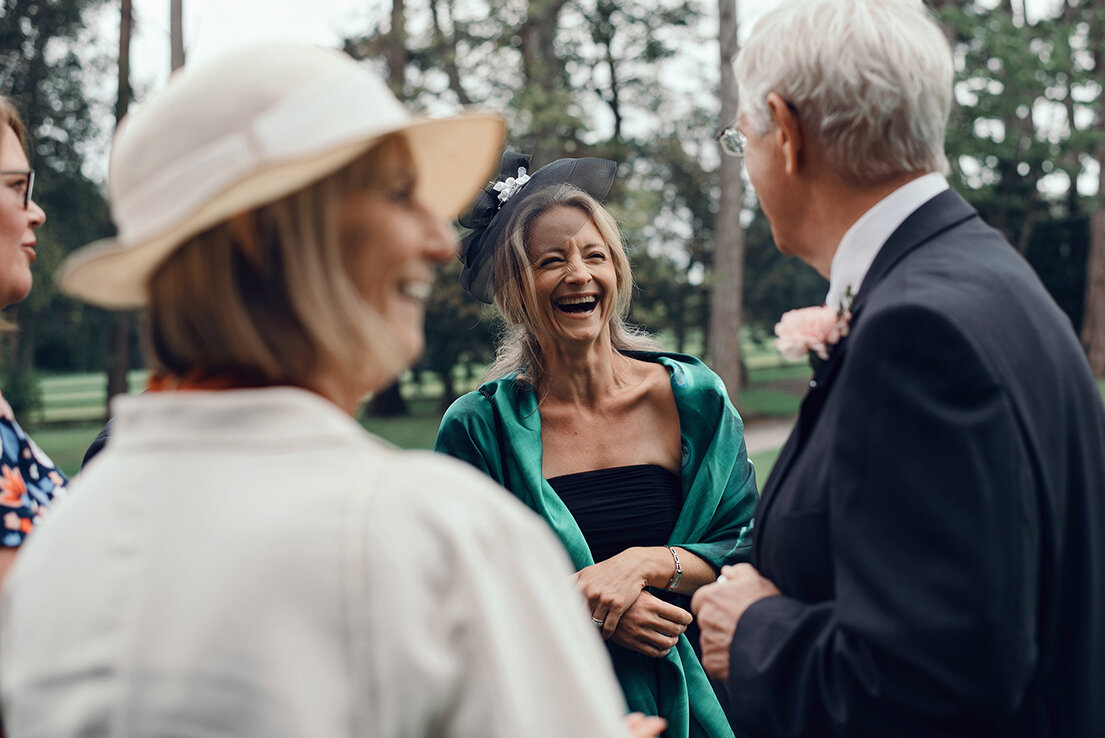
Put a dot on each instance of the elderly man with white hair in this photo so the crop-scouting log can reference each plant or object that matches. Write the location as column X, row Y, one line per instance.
column 930, row 548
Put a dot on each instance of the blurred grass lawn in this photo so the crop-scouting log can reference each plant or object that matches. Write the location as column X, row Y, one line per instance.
column 66, row 443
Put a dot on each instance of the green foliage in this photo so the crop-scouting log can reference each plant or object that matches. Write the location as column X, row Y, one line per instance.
column 46, row 61
column 1019, row 136
column 41, row 71
column 1026, row 99
column 667, row 302
column 21, row 390
column 604, row 78
column 580, row 78
column 68, row 335
column 459, row 331
column 774, row 282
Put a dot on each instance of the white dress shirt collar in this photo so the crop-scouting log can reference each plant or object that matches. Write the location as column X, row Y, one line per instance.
column 864, row 240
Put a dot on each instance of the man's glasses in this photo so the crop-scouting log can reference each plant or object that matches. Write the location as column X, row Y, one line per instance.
column 733, row 142
column 23, row 186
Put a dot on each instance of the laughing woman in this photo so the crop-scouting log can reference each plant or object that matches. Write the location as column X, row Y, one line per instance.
column 635, row 457
column 29, row 481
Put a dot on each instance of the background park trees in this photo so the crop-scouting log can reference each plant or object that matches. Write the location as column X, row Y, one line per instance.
column 1027, row 142
column 47, row 60
column 640, row 82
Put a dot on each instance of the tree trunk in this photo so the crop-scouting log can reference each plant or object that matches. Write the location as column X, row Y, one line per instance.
column 387, row 403
column 449, row 390
column 176, row 34
column 540, row 62
column 726, row 293
column 120, row 332
column 603, row 28
column 1093, row 322
column 949, row 32
column 447, row 49
column 397, row 48
column 543, row 71
column 21, row 352
column 122, row 102
column 120, row 355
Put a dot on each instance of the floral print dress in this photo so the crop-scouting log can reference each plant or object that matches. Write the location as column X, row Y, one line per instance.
column 29, row 481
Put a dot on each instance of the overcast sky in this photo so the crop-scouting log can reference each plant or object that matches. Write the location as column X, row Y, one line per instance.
column 214, row 26
column 211, row 26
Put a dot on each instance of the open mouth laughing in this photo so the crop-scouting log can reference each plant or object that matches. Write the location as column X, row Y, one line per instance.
column 417, row 291
column 578, row 304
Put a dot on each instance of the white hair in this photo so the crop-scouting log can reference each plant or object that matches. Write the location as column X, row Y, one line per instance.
column 871, row 81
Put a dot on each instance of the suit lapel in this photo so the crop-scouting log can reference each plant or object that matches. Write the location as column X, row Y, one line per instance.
column 942, row 212
column 808, row 412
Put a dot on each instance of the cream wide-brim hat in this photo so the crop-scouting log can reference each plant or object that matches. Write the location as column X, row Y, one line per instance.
column 246, row 129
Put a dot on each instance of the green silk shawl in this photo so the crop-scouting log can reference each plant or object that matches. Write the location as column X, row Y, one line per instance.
column 497, row 429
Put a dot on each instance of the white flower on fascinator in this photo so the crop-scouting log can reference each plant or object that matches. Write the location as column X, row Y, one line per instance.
column 509, row 186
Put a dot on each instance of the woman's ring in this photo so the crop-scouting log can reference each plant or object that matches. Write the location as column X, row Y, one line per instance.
column 598, row 623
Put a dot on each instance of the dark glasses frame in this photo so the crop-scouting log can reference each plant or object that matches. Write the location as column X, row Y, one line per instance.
column 30, row 175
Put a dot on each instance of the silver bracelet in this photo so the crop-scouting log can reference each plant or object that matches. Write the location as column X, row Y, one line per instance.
column 677, row 577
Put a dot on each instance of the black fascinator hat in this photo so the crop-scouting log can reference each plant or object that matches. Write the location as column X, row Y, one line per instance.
column 498, row 202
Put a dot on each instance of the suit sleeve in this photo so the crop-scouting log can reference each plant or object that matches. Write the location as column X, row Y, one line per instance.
column 98, row 444
column 468, row 432
column 934, row 542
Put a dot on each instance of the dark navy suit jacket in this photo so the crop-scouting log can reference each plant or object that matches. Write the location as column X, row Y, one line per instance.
column 936, row 522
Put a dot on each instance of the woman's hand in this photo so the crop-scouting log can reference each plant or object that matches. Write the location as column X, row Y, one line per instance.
column 612, row 586
column 644, row 726
column 651, row 626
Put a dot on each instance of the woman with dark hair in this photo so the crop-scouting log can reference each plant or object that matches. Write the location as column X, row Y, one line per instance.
column 634, row 456
column 243, row 559
column 29, row 480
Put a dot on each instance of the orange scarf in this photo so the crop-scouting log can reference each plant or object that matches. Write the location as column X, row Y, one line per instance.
column 194, row 382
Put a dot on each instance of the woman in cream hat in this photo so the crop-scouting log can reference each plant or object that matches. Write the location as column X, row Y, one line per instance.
column 243, row 559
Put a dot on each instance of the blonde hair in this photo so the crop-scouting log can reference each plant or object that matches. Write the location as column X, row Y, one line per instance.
column 10, row 119
column 516, row 296
column 266, row 297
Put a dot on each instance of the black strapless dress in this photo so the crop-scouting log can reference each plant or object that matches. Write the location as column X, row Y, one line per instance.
column 622, row 507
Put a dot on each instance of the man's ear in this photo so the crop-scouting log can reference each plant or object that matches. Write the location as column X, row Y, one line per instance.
column 787, row 130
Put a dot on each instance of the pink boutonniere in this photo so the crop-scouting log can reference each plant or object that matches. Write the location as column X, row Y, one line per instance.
column 811, row 330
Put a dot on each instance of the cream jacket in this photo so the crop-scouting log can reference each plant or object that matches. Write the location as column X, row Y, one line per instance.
column 252, row 563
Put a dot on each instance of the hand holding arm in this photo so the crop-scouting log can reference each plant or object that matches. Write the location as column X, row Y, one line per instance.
column 651, row 626
column 613, row 585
